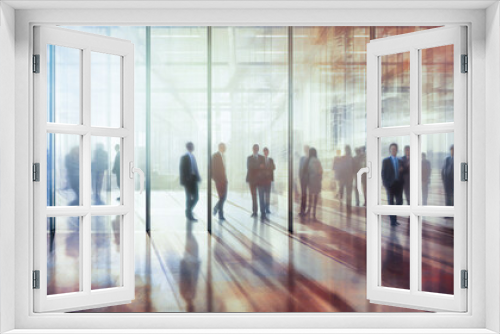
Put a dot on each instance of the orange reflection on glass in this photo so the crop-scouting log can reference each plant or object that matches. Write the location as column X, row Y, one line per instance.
column 437, row 85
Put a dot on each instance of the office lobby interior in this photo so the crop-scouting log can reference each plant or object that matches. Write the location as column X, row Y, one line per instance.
column 288, row 89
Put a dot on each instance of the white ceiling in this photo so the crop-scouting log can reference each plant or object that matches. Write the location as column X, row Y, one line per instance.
column 250, row 4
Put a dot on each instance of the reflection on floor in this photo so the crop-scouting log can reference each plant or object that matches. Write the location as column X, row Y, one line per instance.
column 251, row 266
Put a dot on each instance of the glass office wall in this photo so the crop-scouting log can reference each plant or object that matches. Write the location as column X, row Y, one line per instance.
column 250, row 106
column 178, row 115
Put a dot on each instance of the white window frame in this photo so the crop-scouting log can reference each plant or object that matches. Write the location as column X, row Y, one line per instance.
column 413, row 44
column 87, row 45
column 485, row 236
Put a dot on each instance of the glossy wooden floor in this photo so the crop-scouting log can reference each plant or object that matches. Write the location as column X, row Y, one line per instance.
column 251, row 266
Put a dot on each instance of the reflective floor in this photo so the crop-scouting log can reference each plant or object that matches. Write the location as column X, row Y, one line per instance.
column 247, row 265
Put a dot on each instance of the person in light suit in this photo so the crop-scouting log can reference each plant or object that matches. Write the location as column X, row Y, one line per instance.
column 189, row 179
column 220, row 178
column 392, row 179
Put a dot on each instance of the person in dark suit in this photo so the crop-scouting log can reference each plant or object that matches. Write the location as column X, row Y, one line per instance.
column 392, row 179
column 426, row 178
column 405, row 173
column 189, row 178
column 268, row 179
column 220, row 178
column 255, row 166
column 447, row 175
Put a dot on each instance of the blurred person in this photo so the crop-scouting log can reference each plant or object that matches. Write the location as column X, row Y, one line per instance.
column 426, row 178
column 303, row 176
column 220, row 178
column 268, row 178
column 405, row 173
column 189, row 179
column 116, row 167
column 315, row 176
column 356, row 165
column 346, row 175
column 392, row 180
column 72, row 163
column 337, row 167
column 447, row 175
column 100, row 164
column 255, row 166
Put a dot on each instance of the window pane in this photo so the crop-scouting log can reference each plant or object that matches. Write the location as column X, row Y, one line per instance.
column 178, row 115
column 395, row 251
column 437, row 85
column 437, row 254
column 63, row 255
column 106, row 170
column 395, row 89
column 250, row 90
column 63, row 84
column 106, row 251
column 63, row 169
column 437, row 169
column 395, row 170
column 105, row 90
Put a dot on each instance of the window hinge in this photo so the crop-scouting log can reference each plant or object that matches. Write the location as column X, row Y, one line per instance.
column 36, row 279
column 465, row 279
column 465, row 64
column 36, row 172
column 36, row 63
column 464, row 171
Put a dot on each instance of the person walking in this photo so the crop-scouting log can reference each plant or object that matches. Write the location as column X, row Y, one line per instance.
column 220, row 178
column 267, row 179
column 315, row 177
column 303, row 177
column 189, row 179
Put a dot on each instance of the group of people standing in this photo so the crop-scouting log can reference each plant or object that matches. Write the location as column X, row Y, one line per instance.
column 345, row 169
column 260, row 175
column 396, row 178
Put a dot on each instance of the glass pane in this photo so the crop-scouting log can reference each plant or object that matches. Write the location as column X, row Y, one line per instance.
column 136, row 35
column 437, row 85
column 105, row 90
column 395, row 89
column 63, row 255
column 437, row 254
column 250, row 85
column 395, row 251
column 63, row 169
column 63, row 84
column 395, row 170
column 437, row 169
column 178, row 116
column 106, row 252
column 106, row 170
